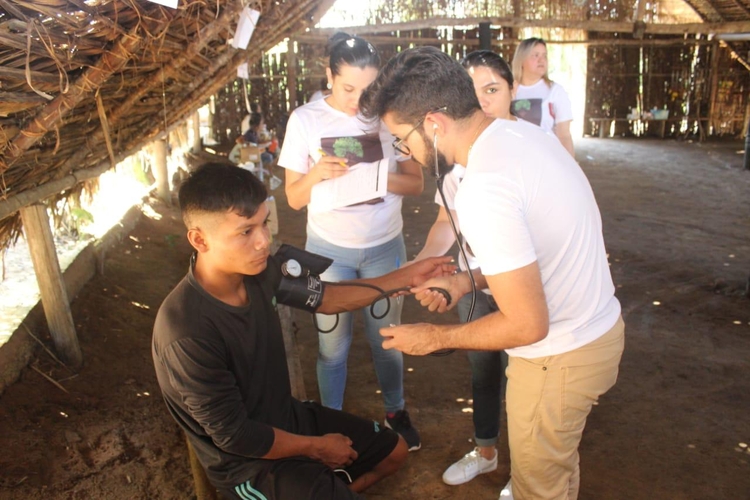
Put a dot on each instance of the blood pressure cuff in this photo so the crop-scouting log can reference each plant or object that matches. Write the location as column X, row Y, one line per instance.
column 304, row 291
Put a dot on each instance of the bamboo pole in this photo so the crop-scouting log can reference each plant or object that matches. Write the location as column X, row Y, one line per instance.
column 108, row 64
column 55, row 301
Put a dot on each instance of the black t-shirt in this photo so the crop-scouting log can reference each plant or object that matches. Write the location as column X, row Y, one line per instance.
column 223, row 373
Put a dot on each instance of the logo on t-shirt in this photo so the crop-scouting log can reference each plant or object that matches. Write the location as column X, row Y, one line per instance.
column 529, row 110
column 356, row 149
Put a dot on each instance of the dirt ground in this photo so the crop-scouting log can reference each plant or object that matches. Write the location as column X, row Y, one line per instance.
column 677, row 227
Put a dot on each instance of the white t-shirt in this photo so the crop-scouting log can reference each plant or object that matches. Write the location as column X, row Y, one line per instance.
column 542, row 104
column 315, row 126
column 524, row 199
column 450, row 186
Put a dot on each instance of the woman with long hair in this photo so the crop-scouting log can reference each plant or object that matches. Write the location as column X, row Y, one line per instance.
column 324, row 139
column 538, row 99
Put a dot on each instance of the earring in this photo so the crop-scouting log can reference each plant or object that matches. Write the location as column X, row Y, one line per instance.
column 329, row 86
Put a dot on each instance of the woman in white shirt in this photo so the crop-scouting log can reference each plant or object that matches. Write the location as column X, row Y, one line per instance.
column 325, row 138
column 538, row 99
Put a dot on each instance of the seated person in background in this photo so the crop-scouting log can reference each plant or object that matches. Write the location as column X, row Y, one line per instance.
column 255, row 135
column 220, row 361
column 235, row 154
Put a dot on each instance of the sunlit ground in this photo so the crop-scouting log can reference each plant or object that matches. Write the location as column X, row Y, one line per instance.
column 19, row 292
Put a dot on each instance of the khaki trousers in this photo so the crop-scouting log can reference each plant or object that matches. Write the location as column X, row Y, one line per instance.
column 548, row 400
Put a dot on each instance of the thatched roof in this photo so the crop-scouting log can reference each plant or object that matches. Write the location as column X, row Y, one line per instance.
column 68, row 67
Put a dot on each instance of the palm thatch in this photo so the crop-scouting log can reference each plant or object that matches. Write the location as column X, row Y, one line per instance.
column 68, row 66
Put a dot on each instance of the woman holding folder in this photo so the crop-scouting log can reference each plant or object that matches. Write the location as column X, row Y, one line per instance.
column 324, row 140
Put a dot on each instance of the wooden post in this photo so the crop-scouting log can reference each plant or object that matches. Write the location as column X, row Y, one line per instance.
column 714, row 87
column 51, row 285
column 291, row 74
column 196, row 122
column 211, row 111
column 159, row 161
column 204, row 490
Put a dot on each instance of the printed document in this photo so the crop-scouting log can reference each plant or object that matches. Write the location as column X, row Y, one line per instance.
column 364, row 182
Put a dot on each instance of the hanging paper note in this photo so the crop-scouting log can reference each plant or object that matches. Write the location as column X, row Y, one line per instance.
column 245, row 27
column 242, row 71
column 166, row 3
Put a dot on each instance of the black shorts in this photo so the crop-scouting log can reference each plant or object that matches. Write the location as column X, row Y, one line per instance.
column 301, row 478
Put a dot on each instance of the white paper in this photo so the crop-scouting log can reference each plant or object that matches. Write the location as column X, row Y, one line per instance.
column 166, row 3
column 242, row 71
column 364, row 182
column 245, row 27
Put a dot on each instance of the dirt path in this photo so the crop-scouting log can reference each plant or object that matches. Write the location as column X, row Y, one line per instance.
column 677, row 226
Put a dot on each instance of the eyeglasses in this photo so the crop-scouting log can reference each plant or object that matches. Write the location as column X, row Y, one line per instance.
column 398, row 144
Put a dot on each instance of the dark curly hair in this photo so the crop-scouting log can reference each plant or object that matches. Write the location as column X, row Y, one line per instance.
column 419, row 81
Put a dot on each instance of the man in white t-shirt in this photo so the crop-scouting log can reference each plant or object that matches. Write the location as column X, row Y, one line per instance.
column 529, row 216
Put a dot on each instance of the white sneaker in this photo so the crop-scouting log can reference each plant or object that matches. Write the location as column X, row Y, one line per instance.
column 507, row 492
column 470, row 466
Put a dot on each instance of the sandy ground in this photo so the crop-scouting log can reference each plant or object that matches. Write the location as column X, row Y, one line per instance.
column 676, row 220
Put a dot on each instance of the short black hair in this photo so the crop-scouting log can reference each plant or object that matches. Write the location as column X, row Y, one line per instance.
column 351, row 50
column 491, row 60
column 218, row 188
column 255, row 119
column 419, row 81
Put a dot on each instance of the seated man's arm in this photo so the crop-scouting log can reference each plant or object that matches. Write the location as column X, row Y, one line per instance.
column 338, row 298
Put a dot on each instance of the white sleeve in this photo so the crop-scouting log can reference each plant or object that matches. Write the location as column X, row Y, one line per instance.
column 493, row 220
column 450, row 187
column 561, row 102
column 295, row 152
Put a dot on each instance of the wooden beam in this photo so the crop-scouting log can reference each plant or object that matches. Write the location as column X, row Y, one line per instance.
column 390, row 41
column 13, row 204
column 515, row 22
column 51, row 284
column 109, row 63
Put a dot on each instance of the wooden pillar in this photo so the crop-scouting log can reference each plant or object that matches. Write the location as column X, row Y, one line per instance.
column 714, row 86
column 485, row 36
column 291, row 74
column 204, row 490
column 159, row 161
column 196, row 123
column 51, row 285
column 211, row 112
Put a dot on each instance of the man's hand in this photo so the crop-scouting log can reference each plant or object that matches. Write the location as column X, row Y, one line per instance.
column 418, row 339
column 334, row 450
column 435, row 301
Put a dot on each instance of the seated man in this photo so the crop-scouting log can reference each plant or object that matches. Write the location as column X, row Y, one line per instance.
column 220, row 362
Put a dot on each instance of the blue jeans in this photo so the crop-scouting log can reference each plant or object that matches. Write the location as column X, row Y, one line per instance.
column 487, row 376
column 349, row 264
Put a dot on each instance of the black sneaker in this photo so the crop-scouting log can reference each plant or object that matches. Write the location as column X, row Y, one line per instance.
column 401, row 423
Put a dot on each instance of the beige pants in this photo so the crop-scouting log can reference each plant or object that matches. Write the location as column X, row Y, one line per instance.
column 548, row 401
